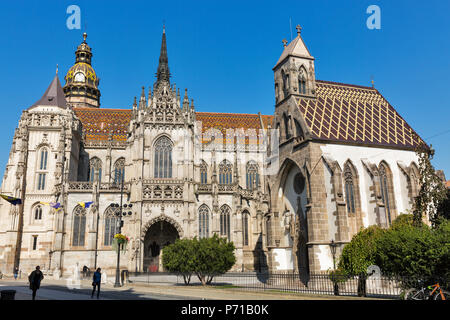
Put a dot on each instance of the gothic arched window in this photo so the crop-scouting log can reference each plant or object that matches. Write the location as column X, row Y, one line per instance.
column 225, row 221
column 269, row 230
column 245, row 219
column 38, row 213
column 42, row 168
column 95, row 169
column 225, row 172
column 349, row 189
column 203, row 222
column 285, row 78
column 79, row 226
column 203, row 173
column 111, row 229
column 386, row 195
column 163, row 158
column 252, row 175
column 119, row 170
column 302, row 82
column 43, row 159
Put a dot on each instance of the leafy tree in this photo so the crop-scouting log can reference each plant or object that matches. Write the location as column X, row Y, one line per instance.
column 444, row 207
column 177, row 258
column 359, row 254
column 213, row 256
column 415, row 252
column 432, row 190
column 206, row 258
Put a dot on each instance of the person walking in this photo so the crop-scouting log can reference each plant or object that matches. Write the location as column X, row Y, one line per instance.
column 96, row 280
column 35, row 279
column 16, row 272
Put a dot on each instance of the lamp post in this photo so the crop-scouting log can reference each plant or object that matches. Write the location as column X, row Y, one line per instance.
column 120, row 224
column 333, row 246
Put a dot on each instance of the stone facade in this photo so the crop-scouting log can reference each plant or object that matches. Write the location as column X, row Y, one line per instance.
column 182, row 181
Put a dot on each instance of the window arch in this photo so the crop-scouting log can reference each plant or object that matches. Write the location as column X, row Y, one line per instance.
column 42, row 168
column 203, row 172
column 79, row 226
column 252, row 175
column 349, row 189
column 387, row 191
column 225, row 172
column 285, row 78
column 225, row 221
column 38, row 213
column 245, row 229
column 111, row 229
column 302, row 81
column 43, row 159
column 203, row 221
column 269, row 231
column 95, row 169
column 119, row 171
column 163, row 158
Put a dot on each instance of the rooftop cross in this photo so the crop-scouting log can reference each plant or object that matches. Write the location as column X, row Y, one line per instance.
column 299, row 29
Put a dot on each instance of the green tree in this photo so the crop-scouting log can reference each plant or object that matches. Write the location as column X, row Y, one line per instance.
column 432, row 190
column 177, row 258
column 415, row 252
column 206, row 258
column 359, row 254
column 213, row 256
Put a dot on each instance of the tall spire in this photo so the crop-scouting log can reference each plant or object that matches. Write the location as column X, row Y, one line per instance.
column 163, row 73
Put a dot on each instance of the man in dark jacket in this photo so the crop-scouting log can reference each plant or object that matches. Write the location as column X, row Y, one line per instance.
column 96, row 280
column 35, row 279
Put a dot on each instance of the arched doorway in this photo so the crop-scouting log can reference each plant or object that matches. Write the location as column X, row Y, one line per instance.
column 293, row 195
column 158, row 235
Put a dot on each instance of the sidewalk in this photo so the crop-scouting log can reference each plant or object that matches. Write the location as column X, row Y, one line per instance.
column 195, row 291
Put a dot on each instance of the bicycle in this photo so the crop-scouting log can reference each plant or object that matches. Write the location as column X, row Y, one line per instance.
column 424, row 294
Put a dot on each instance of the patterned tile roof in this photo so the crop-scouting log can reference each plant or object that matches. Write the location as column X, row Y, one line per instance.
column 224, row 121
column 98, row 123
column 355, row 114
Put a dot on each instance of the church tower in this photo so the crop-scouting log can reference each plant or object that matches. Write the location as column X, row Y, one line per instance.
column 81, row 88
column 294, row 71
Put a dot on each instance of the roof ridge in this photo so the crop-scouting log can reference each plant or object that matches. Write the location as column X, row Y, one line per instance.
column 345, row 84
column 234, row 113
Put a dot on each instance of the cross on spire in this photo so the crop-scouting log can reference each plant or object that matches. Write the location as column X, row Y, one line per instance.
column 299, row 29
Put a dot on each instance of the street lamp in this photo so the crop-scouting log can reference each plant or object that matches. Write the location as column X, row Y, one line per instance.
column 120, row 213
column 333, row 246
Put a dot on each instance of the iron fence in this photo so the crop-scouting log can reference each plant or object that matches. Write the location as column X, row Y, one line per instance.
column 381, row 286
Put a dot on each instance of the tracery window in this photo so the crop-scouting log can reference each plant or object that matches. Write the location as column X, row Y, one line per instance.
column 203, row 173
column 302, row 82
column 163, row 158
column 95, row 169
column 225, row 221
column 252, row 175
column 245, row 218
column 111, row 221
column 349, row 189
column 203, row 222
column 225, row 172
column 79, row 226
column 42, row 168
column 43, row 159
column 119, row 170
column 384, row 179
column 38, row 213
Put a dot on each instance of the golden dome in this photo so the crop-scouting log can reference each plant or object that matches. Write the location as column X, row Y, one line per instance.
column 83, row 74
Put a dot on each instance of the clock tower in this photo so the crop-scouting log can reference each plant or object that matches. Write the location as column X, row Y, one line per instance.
column 81, row 88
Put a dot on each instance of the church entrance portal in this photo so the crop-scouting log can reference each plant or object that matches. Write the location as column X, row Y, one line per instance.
column 159, row 235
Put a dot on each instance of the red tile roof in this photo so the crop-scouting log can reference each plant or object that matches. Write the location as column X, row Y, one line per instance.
column 98, row 123
column 447, row 184
column 355, row 114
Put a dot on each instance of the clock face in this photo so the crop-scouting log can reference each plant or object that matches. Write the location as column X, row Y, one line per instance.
column 79, row 77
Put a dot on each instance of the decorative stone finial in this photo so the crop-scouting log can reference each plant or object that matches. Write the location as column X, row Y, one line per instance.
column 56, row 68
column 84, row 37
column 284, row 43
column 299, row 29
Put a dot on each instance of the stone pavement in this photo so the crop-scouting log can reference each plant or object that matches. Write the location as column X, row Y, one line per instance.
column 161, row 292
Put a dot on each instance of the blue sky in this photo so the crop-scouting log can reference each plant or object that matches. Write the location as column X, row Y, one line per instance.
column 223, row 52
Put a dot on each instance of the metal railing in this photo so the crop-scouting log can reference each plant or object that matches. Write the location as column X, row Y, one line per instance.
column 381, row 286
